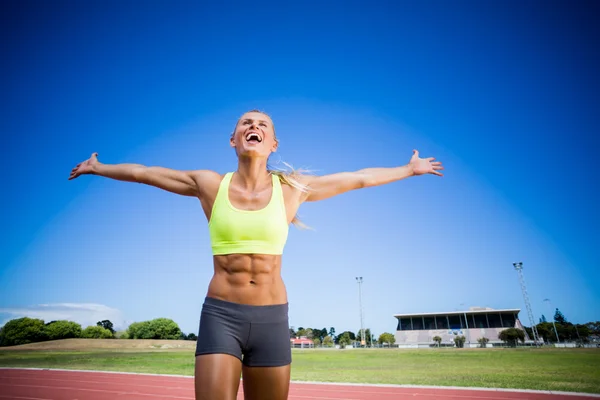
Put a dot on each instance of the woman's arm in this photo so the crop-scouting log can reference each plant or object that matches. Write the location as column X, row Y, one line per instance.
column 324, row 187
column 180, row 182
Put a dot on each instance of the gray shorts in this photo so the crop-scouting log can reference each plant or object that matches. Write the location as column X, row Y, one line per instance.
column 258, row 335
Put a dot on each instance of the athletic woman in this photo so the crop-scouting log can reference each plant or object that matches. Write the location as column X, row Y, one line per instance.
column 243, row 327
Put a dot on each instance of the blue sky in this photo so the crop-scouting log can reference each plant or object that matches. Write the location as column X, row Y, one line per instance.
column 505, row 94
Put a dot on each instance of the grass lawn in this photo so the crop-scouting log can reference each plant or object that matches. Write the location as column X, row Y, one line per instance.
column 575, row 370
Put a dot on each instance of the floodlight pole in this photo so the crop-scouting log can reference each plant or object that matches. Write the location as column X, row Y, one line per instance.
column 359, row 279
column 519, row 268
column 553, row 324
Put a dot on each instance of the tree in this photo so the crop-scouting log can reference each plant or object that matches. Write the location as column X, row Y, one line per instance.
column 437, row 340
column 106, row 324
column 546, row 331
column 159, row 328
column 582, row 332
column 22, row 331
column 96, row 332
column 328, row 341
column 164, row 328
column 344, row 339
column 308, row 333
column 139, row 330
column 57, row 330
column 483, row 341
column 322, row 334
column 594, row 327
column 192, row 336
column 388, row 338
column 511, row 336
column 559, row 318
column 317, row 333
column 316, row 342
column 543, row 319
column 292, row 333
column 332, row 332
column 351, row 336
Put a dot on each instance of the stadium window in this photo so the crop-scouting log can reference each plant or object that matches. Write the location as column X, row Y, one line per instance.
column 454, row 321
column 494, row 320
column 442, row 322
column 480, row 321
column 429, row 323
column 417, row 323
column 508, row 320
column 405, row 324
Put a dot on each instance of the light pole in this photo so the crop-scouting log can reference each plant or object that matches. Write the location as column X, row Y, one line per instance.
column 519, row 268
column 553, row 324
column 359, row 279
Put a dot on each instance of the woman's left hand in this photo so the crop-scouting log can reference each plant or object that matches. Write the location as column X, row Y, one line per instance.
column 421, row 166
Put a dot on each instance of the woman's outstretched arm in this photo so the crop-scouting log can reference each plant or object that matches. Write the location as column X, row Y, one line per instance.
column 185, row 183
column 326, row 186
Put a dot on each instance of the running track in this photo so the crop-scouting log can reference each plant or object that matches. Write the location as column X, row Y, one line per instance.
column 40, row 384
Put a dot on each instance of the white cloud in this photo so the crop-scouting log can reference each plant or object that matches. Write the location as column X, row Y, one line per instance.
column 85, row 314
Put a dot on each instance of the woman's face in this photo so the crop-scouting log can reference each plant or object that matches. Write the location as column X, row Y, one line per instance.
column 254, row 135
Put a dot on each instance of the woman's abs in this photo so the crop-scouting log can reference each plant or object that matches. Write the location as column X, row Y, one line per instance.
column 252, row 279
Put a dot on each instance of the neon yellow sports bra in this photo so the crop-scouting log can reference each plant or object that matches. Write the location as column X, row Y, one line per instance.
column 235, row 231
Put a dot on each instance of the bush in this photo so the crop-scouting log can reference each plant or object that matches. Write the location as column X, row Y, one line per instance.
column 459, row 341
column 96, row 332
column 57, row 330
column 483, row 341
column 437, row 340
column 159, row 328
column 22, row 331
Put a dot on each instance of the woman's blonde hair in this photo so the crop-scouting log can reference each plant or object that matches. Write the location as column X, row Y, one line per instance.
column 288, row 177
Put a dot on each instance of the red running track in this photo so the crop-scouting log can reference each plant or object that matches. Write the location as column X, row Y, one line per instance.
column 24, row 384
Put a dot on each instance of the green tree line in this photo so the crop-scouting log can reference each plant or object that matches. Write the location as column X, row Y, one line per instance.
column 31, row 330
column 328, row 338
column 565, row 330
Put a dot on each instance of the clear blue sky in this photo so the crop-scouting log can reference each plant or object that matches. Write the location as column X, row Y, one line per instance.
column 504, row 93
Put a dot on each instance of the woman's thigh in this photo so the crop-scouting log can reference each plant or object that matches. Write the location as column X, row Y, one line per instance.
column 217, row 377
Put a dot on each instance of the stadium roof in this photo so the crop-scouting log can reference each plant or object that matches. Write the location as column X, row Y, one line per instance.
column 473, row 310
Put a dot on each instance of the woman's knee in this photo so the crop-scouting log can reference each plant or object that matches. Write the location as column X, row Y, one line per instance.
column 266, row 383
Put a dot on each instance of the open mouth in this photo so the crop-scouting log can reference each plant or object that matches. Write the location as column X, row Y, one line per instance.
column 253, row 137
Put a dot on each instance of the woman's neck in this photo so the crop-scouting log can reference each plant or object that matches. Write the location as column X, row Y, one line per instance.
column 252, row 173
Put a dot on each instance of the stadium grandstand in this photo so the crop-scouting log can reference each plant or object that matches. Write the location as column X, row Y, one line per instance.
column 418, row 330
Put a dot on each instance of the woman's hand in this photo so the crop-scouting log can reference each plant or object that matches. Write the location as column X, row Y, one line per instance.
column 421, row 166
column 85, row 167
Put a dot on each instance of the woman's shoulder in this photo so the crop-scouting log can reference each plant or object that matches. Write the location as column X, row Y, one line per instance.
column 208, row 180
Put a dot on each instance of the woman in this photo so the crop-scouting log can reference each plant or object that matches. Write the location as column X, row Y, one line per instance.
column 244, row 320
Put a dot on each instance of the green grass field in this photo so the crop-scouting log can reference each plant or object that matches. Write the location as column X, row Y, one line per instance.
column 573, row 370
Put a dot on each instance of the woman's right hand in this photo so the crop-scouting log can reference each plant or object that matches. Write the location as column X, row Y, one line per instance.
column 85, row 167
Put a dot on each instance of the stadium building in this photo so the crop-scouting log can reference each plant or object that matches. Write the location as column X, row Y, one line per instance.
column 418, row 330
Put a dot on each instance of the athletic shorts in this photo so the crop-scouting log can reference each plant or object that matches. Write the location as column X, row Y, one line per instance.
column 258, row 335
